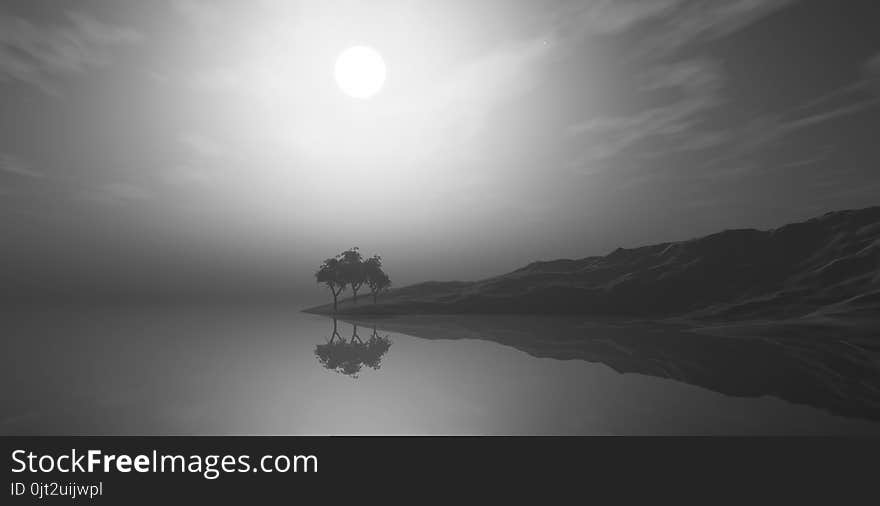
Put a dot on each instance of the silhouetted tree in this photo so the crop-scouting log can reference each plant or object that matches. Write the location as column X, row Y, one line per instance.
column 377, row 346
column 349, row 357
column 375, row 277
column 353, row 270
column 332, row 275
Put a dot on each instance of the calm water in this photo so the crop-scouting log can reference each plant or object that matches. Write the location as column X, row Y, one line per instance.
column 257, row 372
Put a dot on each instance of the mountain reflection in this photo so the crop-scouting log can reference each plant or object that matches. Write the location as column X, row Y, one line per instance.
column 826, row 371
column 350, row 356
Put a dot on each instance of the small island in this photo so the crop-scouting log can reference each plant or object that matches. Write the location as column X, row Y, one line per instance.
column 818, row 273
column 790, row 312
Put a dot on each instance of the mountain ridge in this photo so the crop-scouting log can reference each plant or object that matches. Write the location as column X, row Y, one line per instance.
column 790, row 271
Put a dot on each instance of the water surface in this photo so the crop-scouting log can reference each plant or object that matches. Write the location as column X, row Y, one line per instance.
column 221, row 371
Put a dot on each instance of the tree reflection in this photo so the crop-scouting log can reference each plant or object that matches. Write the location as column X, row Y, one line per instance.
column 349, row 357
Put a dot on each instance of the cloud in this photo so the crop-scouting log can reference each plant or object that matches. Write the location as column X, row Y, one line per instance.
column 461, row 102
column 673, row 124
column 203, row 152
column 203, row 146
column 458, row 103
column 203, row 14
column 660, row 31
column 117, row 193
column 666, row 25
column 872, row 67
column 829, row 115
column 298, row 113
column 700, row 20
column 852, row 98
column 38, row 54
column 14, row 165
column 769, row 129
column 871, row 71
column 216, row 79
column 610, row 16
column 187, row 175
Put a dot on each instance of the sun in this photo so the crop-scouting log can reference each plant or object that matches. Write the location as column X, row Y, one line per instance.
column 360, row 72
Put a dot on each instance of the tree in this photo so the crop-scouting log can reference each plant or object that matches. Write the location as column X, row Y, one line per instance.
column 332, row 275
column 349, row 357
column 353, row 270
column 375, row 277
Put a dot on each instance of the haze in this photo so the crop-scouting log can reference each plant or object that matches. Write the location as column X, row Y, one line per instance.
column 203, row 149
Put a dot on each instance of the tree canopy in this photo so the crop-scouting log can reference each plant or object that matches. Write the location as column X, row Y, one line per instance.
column 376, row 278
column 352, row 264
column 349, row 357
column 350, row 269
column 332, row 275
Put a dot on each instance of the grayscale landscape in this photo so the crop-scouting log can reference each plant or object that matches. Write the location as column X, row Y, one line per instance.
column 413, row 217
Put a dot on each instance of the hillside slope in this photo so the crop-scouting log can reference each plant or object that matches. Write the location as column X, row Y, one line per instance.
column 826, row 265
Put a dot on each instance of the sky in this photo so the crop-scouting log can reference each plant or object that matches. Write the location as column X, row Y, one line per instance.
column 186, row 148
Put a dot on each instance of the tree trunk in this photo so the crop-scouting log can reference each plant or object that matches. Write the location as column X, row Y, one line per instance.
column 335, row 332
column 355, row 297
column 334, row 301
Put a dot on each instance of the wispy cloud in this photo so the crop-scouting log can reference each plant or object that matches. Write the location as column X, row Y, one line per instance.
column 202, row 152
column 187, row 174
column 39, row 54
column 202, row 145
column 698, row 83
column 699, row 20
column 675, row 22
column 105, row 193
column 14, row 165
column 215, row 79
column 768, row 130
column 461, row 101
column 660, row 32
column 864, row 93
column 829, row 115
column 871, row 70
column 610, row 16
column 117, row 193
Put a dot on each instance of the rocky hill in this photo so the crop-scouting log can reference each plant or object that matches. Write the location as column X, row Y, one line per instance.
column 826, row 265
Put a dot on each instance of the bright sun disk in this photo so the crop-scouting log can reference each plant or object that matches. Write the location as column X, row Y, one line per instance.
column 360, row 72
